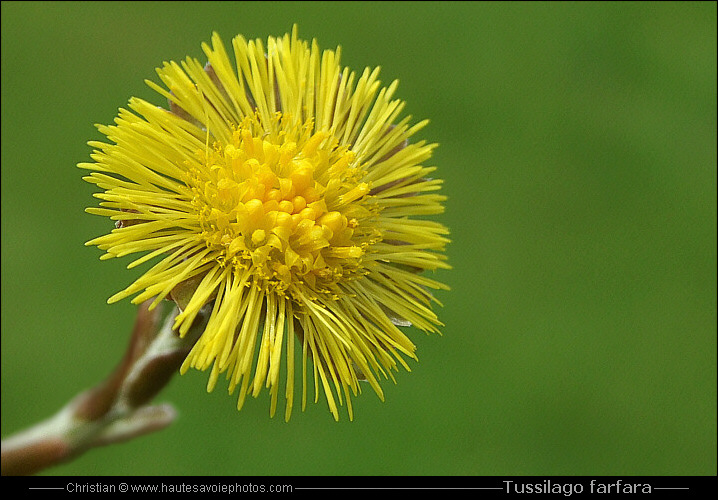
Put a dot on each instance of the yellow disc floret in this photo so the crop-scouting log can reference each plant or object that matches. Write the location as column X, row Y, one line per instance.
column 283, row 204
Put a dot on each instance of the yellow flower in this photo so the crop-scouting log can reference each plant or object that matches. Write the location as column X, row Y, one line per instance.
column 285, row 189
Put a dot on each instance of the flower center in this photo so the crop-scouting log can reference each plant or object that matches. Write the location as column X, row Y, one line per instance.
column 284, row 202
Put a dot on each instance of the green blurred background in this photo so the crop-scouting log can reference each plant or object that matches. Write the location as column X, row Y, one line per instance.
column 578, row 149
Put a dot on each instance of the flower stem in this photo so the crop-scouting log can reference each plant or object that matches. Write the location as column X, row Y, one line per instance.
column 115, row 410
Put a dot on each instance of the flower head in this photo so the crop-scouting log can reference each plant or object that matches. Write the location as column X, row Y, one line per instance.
column 283, row 190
